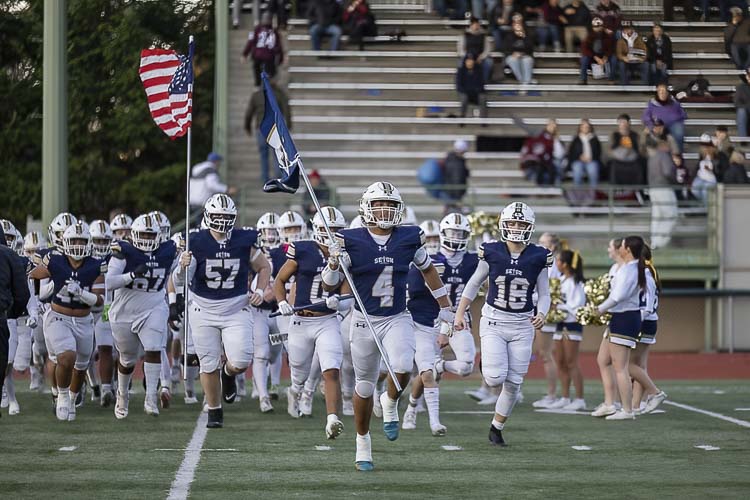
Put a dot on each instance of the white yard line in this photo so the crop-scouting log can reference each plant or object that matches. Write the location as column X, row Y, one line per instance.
column 741, row 423
column 475, row 412
column 186, row 473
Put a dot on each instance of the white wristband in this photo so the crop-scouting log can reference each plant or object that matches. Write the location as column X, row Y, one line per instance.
column 172, row 298
column 89, row 298
column 439, row 292
column 331, row 277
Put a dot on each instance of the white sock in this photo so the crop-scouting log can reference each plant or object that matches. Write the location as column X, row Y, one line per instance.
column 73, row 397
column 390, row 409
column 123, row 382
column 498, row 425
column 152, row 371
column 165, row 377
column 63, row 395
column 10, row 387
column 364, row 448
column 332, row 417
column 260, row 374
column 432, row 398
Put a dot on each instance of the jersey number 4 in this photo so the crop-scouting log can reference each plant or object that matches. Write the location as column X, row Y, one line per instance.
column 512, row 294
column 216, row 269
column 383, row 287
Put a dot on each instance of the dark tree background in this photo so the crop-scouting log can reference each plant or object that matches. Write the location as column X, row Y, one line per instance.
column 117, row 156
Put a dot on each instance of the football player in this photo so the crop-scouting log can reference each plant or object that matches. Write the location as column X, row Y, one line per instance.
column 378, row 257
column 101, row 248
column 78, row 285
column 165, row 377
column 120, row 225
column 218, row 269
column 138, row 270
column 315, row 328
column 431, row 230
column 33, row 242
column 516, row 269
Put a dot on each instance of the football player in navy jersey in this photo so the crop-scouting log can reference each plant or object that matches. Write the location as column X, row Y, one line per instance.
column 218, row 270
column 314, row 329
column 101, row 248
column 137, row 275
column 378, row 257
column 32, row 243
column 78, row 285
column 121, row 224
column 457, row 265
column 515, row 269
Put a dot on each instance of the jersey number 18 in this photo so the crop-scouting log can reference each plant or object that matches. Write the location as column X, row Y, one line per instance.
column 511, row 293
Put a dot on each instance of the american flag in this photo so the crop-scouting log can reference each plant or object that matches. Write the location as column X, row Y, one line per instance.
column 168, row 80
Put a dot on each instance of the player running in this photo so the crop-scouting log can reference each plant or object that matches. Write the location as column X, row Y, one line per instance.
column 101, row 248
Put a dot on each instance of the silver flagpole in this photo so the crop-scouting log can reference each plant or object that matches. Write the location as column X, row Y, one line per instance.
column 348, row 276
column 186, row 285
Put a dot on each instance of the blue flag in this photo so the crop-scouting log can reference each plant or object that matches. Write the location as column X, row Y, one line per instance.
column 273, row 127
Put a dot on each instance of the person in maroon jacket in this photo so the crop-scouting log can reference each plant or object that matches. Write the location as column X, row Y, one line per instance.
column 597, row 48
column 264, row 46
column 359, row 22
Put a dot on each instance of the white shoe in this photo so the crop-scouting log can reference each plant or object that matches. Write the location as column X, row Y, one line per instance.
column 478, row 394
column 438, row 430
column 265, row 405
column 121, row 405
column 377, row 409
column 559, row 403
column 190, row 398
column 490, row 399
column 410, row 418
column 63, row 408
column 305, row 403
column 653, row 401
column 72, row 411
column 334, row 427
column 292, row 403
column 151, row 405
column 348, row 407
column 545, row 402
column 575, row 405
column 621, row 415
column 14, row 408
column 604, row 410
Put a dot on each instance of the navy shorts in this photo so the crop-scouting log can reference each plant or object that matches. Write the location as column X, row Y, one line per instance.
column 625, row 328
column 648, row 332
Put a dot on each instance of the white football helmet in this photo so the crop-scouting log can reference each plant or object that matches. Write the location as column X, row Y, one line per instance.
column 431, row 230
column 144, row 233
column 517, row 213
column 18, row 243
column 455, row 232
column 164, row 225
column 57, row 227
column 410, row 218
column 269, row 231
column 101, row 238
column 384, row 216
column 356, row 222
column 10, row 233
column 291, row 227
column 220, row 213
column 76, row 241
column 120, row 225
column 335, row 220
column 33, row 242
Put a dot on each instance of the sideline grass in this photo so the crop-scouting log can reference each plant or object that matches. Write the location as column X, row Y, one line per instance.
column 276, row 456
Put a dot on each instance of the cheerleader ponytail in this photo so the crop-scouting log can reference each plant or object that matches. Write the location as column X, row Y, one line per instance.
column 636, row 246
column 650, row 266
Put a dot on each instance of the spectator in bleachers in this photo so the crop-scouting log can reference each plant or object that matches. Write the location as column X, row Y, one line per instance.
column 659, row 49
column 324, row 17
column 631, row 54
column 537, row 155
column 661, row 178
column 253, row 116
column 359, row 22
column 737, row 52
column 549, row 25
column 669, row 110
column 722, row 140
column 682, row 177
column 455, row 173
column 281, row 9
column 322, row 192
column 501, row 18
column 598, row 48
column 470, row 86
column 712, row 164
column 611, row 14
column 625, row 163
column 651, row 137
column 456, row 13
column 577, row 21
column 742, row 103
column 585, row 155
column 736, row 173
column 705, row 7
column 475, row 42
column 264, row 46
column 520, row 53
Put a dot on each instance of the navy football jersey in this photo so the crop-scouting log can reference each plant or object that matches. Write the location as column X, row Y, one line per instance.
column 455, row 278
column 310, row 263
column 61, row 271
column 380, row 271
column 422, row 305
column 223, row 269
column 159, row 263
column 277, row 256
column 513, row 281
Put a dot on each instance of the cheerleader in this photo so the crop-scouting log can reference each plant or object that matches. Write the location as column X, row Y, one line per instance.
column 642, row 383
column 543, row 337
column 610, row 404
column 625, row 326
column 570, row 334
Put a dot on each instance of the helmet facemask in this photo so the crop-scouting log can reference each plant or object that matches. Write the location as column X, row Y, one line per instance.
column 101, row 247
column 270, row 237
column 291, row 234
column 321, row 236
column 383, row 213
column 432, row 244
column 219, row 222
column 516, row 231
column 146, row 241
column 77, row 247
column 455, row 240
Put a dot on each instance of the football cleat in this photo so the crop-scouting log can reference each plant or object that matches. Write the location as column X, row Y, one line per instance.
column 603, row 410
column 292, row 403
column 190, row 398
column 334, row 428
column 151, row 405
column 121, row 405
column 62, row 408
column 215, row 418
column 228, row 386
column 273, row 392
column 165, row 397
column 410, row 418
column 496, row 437
column 438, row 430
column 14, row 408
column 390, row 417
column 478, row 394
column 347, row 407
column 265, row 405
column 72, row 412
column 364, row 466
column 107, row 398
column 305, row 403
column 653, row 401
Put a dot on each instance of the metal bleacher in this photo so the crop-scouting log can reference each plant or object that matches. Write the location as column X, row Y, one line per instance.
column 379, row 114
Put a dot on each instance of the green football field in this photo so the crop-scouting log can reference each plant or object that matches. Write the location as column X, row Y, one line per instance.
column 274, row 456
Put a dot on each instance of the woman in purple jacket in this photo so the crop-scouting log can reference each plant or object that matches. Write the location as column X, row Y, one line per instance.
column 666, row 108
